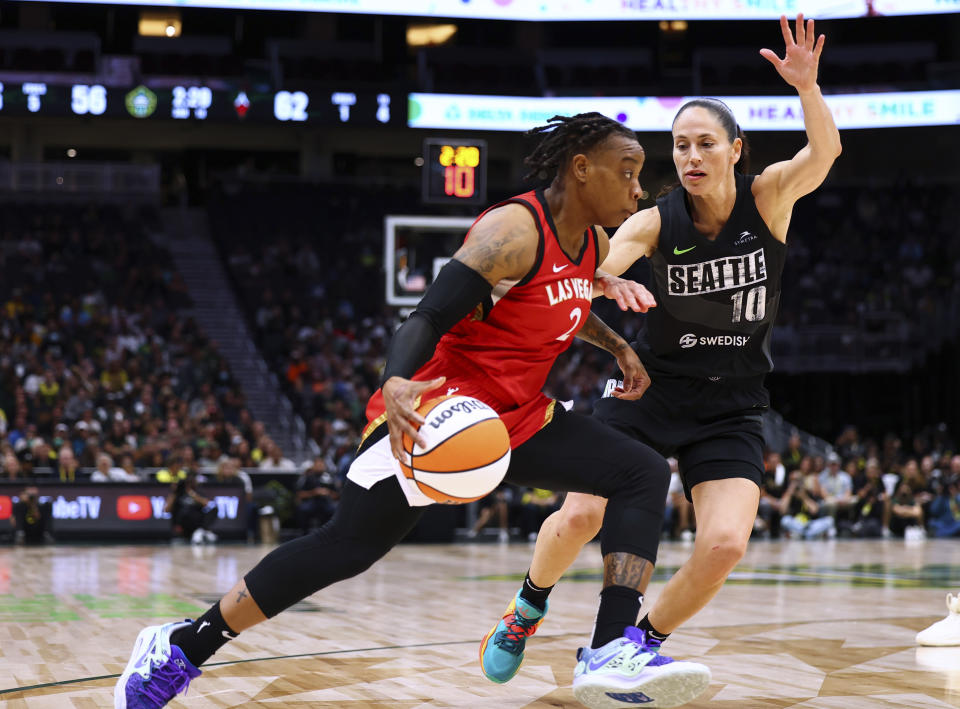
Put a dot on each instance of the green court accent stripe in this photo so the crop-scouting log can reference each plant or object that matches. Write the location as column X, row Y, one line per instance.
column 417, row 645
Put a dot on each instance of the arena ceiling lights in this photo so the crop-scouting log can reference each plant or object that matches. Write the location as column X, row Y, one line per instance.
column 560, row 10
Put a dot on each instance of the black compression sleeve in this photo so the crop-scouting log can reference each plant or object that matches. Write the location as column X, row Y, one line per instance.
column 452, row 296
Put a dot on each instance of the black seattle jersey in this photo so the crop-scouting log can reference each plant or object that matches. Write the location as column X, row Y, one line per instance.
column 716, row 300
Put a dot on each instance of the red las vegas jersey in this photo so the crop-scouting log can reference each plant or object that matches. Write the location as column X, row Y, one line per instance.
column 503, row 351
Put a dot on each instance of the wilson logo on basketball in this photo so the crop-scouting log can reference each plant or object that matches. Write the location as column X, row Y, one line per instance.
column 134, row 507
column 465, row 406
column 6, row 507
column 465, row 454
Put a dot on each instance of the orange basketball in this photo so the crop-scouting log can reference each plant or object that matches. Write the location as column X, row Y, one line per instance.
column 467, row 450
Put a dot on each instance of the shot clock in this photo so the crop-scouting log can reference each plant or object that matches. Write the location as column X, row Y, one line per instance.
column 454, row 171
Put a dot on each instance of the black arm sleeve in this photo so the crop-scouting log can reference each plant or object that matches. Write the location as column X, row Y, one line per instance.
column 451, row 297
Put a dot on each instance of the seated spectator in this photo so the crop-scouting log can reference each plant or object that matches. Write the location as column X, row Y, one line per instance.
column 496, row 504
column 802, row 510
column 772, row 489
column 174, row 472
column 274, row 460
column 534, row 507
column 11, row 466
column 905, row 511
column 106, row 472
column 317, row 493
column 228, row 470
column 32, row 520
column 837, row 487
column 126, row 462
column 192, row 514
column 794, row 453
column 871, row 506
column 920, row 485
column 945, row 509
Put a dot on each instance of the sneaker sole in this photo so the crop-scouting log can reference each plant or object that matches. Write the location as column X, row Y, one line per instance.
column 938, row 642
column 673, row 687
column 120, row 689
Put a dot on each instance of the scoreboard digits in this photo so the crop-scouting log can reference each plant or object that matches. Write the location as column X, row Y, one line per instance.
column 454, row 171
column 199, row 103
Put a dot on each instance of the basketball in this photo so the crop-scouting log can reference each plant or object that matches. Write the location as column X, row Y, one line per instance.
column 467, row 450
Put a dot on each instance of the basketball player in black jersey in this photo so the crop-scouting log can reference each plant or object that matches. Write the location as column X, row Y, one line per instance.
column 716, row 245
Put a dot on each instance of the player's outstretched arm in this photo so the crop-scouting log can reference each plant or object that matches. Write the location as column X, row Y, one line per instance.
column 635, row 238
column 501, row 246
column 783, row 183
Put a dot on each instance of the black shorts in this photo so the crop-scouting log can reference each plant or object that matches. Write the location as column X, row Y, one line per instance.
column 713, row 428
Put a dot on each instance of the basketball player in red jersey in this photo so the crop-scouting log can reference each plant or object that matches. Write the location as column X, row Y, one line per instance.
column 716, row 245
column 491, row 325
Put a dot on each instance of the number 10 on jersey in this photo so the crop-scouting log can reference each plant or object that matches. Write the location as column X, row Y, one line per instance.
column 750, row 305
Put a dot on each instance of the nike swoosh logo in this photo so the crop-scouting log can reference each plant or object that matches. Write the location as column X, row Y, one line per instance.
column 144, row 659
column 557, row 269
column 203, row 625
column 678, row 252
column 596, row 663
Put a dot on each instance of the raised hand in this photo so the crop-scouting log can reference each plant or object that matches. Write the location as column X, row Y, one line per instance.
column 802, row 57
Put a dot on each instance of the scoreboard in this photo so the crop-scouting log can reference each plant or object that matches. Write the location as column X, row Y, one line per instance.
column 454, row 171
column 198, row 102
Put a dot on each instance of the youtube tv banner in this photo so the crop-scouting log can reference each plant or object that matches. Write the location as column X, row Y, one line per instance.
column 107, row 509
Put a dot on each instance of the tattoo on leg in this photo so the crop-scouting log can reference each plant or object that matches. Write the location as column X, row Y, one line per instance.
column 630, row 570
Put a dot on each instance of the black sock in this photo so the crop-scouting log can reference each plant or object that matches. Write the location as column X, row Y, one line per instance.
column 533, row 594
column 208, row 634
column 619, row 606
column 644, row 624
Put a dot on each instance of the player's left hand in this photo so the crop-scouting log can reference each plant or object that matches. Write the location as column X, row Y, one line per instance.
column 802, row 56
column 628, row 294
column 635, row 377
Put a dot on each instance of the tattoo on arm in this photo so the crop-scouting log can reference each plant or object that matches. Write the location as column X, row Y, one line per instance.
column 499, row 248
column 598, row 333
column 623, row 569
column 241, row 594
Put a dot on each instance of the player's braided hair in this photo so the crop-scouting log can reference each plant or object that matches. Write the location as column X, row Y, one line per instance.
column 565, row 136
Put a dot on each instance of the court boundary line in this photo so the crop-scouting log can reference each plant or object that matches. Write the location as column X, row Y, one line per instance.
column 324, row 653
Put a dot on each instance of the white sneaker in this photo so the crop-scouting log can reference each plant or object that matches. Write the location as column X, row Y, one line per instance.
column 944, row 632
column 687, row 535
column 504, row 536
column 914, row 533
column 197, row 537
column 209, row 537
column 156, row 671
column 629, row 671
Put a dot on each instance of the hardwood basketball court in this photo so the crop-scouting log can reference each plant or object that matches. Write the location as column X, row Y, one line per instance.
column 818, row 625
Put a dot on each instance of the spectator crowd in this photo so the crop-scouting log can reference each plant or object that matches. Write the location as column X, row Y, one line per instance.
column 102, row 376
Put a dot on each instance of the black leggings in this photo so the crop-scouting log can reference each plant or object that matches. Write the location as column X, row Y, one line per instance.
column 573, row 453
